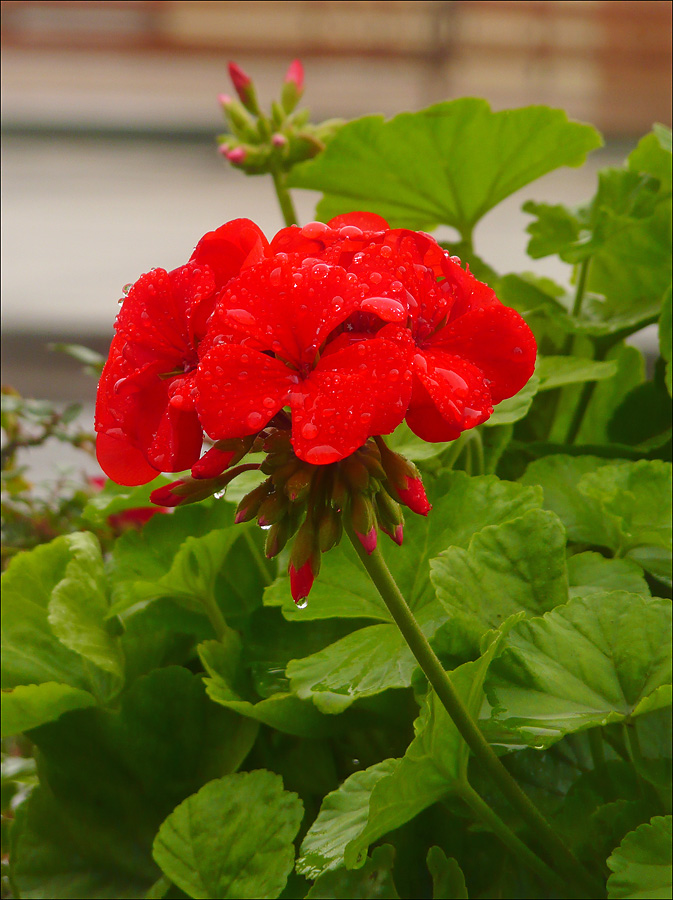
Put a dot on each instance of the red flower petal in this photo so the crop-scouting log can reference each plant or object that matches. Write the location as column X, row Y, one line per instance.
column 230, row 248
column 366, row 221
column 450, row 395
column 498, row 341
column 240, row 390
column 360, row 390
column 122, row 462
column 284, row 308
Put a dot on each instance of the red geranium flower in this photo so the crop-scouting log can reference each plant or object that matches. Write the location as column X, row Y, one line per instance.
column 268, row 346
column 144, row 419
column 472, row 352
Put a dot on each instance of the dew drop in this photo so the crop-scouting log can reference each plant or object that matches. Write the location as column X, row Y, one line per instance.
column 321, row 455
column 309, row 431
column 396, row 286
column 517, row 351
column 315, row 230
column 242, row 376
column 365, row 418
column 375, row 277
column 302, row 604
column 242, row 316
column 393, row 375
column 350, row 231
column 387, row 309
column 320, row 270
column 268, row 402
column 275, row 277
column 254, row 420
column 386, row 251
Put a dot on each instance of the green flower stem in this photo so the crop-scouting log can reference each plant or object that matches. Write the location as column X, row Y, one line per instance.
column 558, row 854
column 284, row 198
column 483, row 811
column 215, row 616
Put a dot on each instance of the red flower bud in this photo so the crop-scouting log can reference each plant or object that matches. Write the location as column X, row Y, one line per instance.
column 301, row 581
column 235, row 156
column 278, row 140
column 295, row 74
column 293, row 86
column 368, row 540
column 168, row 496
column 213, row 463
column 415, row 497
column 244, row 87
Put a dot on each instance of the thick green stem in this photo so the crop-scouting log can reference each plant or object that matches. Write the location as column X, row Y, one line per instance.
column 557, row 853
column 524, row 854
column 214, row 613
column 284, row 198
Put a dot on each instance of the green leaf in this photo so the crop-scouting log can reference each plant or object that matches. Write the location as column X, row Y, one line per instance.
column 665, row 339
column 641, row 865
column 232, row 839
column 79, row 606
column 448, row 164
column 31, row 652
column 635, row 495
column 435, row 764
column 516, row 407
column 653, row 156
column 598, row 659
column 461, row 507
column 282, row 710
column 560, row 477
column 406, row 443
column 113, row 777
column 30, row 705
column 590, row 573
column 556, row 371
column 342, row 816
column 374, row 881
column 364, row 663
column 509, row 568
column 448, row 881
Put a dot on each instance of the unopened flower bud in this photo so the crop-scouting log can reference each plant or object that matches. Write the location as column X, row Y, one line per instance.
column 277, row 537
column 180, row 493
column 404, row 480
column 363, row 521
column 244, row 88
column 235, row 155
column 240, row 121
column 301, row 581
column 222, row 455
column 249, row 506
column 304, row 561
column 298, row 485
column 272, row 508
column 293, row 86
column 329, row 529
column 354, row 472
column 278, row 140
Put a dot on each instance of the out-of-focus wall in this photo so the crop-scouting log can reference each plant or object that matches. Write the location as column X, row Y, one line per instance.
column 145, row 64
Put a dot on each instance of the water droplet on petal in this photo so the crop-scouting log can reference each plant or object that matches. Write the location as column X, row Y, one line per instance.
column 315, row 230
column 275, row 277
column 386, row 308
column 268, row 402
column 365, row 418
column 309, row 431
column 254, row 420
column 302, row 604
column 350, row 231
column 321, row 455
column 517, row 351
column 375, row 277
column 242, row 316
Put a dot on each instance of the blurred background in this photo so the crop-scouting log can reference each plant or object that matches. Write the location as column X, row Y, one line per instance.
column 109, row 111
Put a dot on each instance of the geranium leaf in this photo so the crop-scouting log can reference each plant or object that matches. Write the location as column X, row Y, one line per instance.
column 79, row 605
column 653, row 156
column 516, row 407
column 113, row 777
column 342, row 816
column 448, row 881
column 232, row 839
column 556, row 371
column 448, row 164
column 282, row 710
column 608, row 396
column 665, row 339
column 374, row 881
column 590, row 572
column 593, row 661
column 31, row 652
column 27, row 706
column 641, row 865
column 509, row 568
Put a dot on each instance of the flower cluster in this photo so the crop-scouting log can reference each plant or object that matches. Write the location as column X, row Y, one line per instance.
column 308, row 348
